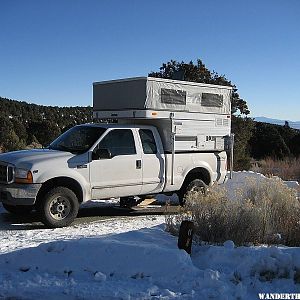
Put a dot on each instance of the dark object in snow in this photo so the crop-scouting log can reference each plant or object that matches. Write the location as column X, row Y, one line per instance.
column 186, row 236
column 24, row 269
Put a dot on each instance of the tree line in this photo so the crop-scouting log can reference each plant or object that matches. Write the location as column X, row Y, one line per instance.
column 279, row 142
column 30, row 125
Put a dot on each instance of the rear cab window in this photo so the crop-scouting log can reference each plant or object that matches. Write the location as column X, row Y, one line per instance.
column 148, row 141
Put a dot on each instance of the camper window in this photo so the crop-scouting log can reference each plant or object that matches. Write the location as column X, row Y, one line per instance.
column 169, row 96
column 212, row 100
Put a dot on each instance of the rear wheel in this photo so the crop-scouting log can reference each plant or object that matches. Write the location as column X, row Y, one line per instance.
column 59, row 207
column 196, row 185
column 20, row 210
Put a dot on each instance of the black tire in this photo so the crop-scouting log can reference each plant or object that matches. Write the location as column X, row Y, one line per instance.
column 19, row 210
column 127, row 202
column 196, row 185
column 58, row 208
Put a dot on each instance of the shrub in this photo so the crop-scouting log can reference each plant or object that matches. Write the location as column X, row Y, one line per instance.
column 287, row 169
column 264, row 211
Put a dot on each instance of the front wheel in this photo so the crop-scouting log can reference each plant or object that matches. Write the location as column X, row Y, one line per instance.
column 59, row 207
column 19, row 210
column 196, row 185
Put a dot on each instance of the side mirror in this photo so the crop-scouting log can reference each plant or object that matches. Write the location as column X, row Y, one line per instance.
column 101, row 154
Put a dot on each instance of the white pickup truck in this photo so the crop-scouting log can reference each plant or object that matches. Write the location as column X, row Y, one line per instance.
column 104, row 160
column 94, row 161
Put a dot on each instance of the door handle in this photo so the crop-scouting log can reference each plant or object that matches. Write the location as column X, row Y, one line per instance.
column 138, row 164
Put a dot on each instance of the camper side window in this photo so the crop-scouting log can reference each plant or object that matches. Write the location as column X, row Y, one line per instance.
column 119, row 142
column 212, row 100
column 174, row 97
column 148, row 141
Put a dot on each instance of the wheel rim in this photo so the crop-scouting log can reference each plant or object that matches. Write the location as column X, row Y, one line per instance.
column 60, row 208
column 197, row 189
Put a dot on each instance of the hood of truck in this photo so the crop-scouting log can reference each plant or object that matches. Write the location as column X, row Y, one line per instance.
column 28, row 158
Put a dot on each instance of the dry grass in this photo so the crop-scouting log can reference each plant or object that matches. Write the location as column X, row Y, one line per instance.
column 288, row 169
column 267, row 212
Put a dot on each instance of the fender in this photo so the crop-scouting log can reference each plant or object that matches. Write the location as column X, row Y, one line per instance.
column 185, row 163
column 196, row 168
column 67, row 173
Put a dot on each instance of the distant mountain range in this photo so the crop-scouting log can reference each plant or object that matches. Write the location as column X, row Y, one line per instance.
column 292, row 124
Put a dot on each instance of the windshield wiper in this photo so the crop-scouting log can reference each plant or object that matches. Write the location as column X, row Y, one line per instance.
column 75, row 150
column 61, row 148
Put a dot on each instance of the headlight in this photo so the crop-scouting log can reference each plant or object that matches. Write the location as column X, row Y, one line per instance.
column 23, row 176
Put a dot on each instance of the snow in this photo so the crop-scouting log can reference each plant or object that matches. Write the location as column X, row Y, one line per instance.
column 135, row 263
column 240, row 177
column 134, row 258
column 14, row 239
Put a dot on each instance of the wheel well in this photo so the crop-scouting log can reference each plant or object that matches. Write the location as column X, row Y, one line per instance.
column 197, row 173
column 61, row 181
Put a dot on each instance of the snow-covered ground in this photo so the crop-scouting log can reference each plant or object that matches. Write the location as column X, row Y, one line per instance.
column 134, row 258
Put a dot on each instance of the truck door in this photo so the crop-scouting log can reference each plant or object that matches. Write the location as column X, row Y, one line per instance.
column 119, row 173
column 153, row 164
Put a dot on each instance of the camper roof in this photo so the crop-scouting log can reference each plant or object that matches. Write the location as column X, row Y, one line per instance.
column 191, row 83
column 150, row 93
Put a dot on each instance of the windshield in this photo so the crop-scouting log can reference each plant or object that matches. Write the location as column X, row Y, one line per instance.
column 78, row 139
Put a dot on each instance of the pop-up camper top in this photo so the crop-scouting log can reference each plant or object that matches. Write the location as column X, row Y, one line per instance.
column 194, row 115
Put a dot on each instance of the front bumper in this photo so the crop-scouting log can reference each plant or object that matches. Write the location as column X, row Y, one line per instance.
column 19, row 194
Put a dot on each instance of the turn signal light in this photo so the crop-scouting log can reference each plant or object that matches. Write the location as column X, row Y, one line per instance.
column 28, row 179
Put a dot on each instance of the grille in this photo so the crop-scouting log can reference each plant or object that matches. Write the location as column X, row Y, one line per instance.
column 6, row 173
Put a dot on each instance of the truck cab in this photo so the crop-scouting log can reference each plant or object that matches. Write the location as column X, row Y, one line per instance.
column 102, row 161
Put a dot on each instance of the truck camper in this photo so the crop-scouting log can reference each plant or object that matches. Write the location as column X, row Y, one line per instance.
column 151, row 136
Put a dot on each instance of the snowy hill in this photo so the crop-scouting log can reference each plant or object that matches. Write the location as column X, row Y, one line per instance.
column 292, row 124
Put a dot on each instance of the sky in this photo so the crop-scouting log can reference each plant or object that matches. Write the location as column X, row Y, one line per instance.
column 52, row 51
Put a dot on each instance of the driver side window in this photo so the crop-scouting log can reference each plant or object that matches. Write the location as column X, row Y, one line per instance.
column 119, row 142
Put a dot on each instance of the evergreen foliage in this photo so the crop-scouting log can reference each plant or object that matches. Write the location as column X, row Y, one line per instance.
column 243, row 130
column 22, row 123
column 278, row 142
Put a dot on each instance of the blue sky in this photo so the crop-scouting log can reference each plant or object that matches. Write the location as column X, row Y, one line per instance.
column 52, row 51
